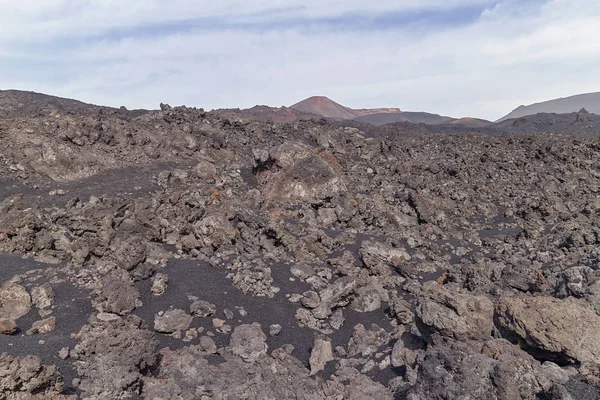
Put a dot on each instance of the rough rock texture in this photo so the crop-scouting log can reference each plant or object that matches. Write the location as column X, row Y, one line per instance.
column 43, row 326
column 494, row 371
column 116, row 294
column 188, row 374
column 7, row 326
column 111, row 356
column 563, row 330
column 321, row 354
column 201, row 308
column 249, row 342
column 42, row 296
column 14, row 301
column 172, row 321
column 27, row 378
column 418, row 252
column 444, row 314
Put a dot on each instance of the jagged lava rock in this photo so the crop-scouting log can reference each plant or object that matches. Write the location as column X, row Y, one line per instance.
column 564, row 330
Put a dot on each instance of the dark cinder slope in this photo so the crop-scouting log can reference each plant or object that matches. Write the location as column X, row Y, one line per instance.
column 589, row 101
column 420, row 118
column 577, row 122
column 21, row 104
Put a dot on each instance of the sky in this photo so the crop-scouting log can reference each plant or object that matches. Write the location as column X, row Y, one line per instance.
column 478, row 58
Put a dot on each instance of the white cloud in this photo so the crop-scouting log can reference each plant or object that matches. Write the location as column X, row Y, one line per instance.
column 515, row 53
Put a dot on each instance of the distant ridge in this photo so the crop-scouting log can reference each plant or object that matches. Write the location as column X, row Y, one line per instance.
column 589, row 101
column 328, row 108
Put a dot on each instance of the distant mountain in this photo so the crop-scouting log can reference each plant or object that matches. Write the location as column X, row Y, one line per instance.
column 20, row 104
column 420, row 118
column 472, row 122
column 414, row 117
column 576, row 122
column 589, row 101
column 328, row 108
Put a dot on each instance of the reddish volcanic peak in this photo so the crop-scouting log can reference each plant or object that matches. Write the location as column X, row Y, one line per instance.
column 324, row 106
column 328, row 108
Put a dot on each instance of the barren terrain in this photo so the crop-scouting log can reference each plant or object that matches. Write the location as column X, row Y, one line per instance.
column 184, row 254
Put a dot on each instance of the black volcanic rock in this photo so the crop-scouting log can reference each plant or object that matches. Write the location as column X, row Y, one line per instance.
column 381, row 260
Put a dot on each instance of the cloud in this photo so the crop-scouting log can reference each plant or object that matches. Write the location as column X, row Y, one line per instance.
column 458, row 57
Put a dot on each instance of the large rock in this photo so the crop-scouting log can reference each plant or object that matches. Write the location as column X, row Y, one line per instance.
column 249, row 342
column 14, row 301
column 111, row 358
column 557, row 330
column 292, row 172
column 445, row 314
column 321, row 354
column 495, row 370
column 116, row 294
column 27, row 378
column 379, row 257
column 335, row 295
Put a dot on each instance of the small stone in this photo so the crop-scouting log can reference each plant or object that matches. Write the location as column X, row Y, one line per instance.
column 289, row 348
column 226, row 329
column 42, row 296
column 385, row 363
column 107, row 317
column 208, row 344
column 64, row 353
column 592, row 379
column 7, row 326
column 311, row 299
column 242, row 312
column 275, row 329
column 44, row 313
column 201, row 308
column 302, row 271
column 172, row 321
column 159, row 284
column 190, row 335
column 116, row 294
column 555, row 373
column 44, row 326
column 176, row 335
column 295, row 298
column 217, row 323
column 337, row 319
column 228, row 314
